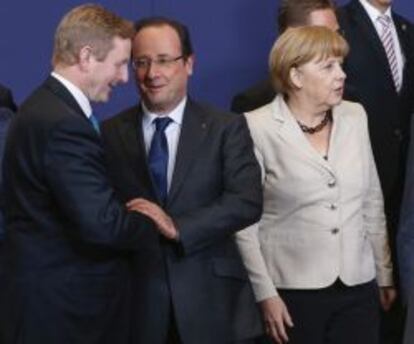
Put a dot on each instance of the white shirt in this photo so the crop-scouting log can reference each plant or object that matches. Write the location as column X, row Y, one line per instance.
column 373, row 14
column 172, row 132
column 76, row 92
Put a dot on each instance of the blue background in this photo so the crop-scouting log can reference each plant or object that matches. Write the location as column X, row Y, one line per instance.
column 231, row 40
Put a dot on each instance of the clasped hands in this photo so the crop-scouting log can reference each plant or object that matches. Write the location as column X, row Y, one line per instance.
column 163, row 221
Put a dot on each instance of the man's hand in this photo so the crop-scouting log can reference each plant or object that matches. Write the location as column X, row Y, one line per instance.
column 155, row 213
column 387, row 297
column 276, row 318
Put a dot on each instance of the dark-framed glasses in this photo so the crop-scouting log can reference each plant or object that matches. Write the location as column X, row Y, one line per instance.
column 144, row 63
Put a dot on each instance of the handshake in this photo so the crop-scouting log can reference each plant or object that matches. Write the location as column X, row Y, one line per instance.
column 163, row 222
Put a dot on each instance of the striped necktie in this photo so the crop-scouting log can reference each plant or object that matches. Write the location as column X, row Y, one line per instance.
column 388, row 43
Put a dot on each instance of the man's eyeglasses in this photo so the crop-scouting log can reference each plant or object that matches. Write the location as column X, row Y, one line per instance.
column 162, row 62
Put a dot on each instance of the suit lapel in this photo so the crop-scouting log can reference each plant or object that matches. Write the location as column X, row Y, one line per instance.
column 291, row 133
column 57, row 88
column 406, row 46
column 403, row 35
column 194, row 128
column 367, row 29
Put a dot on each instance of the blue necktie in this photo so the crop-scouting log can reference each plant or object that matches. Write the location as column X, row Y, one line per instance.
column 158, row 157
column 95, row 123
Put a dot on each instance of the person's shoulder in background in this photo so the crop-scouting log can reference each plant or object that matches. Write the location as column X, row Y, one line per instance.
column 254, row 97
column 6, row 98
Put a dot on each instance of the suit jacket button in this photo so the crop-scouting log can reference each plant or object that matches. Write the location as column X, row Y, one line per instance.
column 333, row 206
column 332, row 183
column 335, row 231
column 398, row 134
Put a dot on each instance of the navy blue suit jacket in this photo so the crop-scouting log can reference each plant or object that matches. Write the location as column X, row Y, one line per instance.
column 369, row 77
column 215, row 191
column 68, row 237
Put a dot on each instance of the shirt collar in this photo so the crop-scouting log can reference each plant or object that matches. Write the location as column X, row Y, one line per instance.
column 373, row 12
column 176, row 114
column 76, row 92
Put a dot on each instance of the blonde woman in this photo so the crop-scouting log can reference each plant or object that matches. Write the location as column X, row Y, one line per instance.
column 320, row 250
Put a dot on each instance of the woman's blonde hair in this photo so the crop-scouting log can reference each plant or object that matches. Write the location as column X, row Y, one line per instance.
column 297, row 46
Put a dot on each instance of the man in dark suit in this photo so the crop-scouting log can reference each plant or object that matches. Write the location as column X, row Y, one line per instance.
column 388, row 106
column 192, row 288
column 380, row 72
column 291, row 13
column 6, row 98
column 68, row 238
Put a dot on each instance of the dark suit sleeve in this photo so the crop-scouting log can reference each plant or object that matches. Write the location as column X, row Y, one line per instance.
column 238, row 104
column 77, row 175
column 6, row 99
column 240, row 203
column 253, row 98
column 245, row 102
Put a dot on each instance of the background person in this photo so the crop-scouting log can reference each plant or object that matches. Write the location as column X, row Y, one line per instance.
column 291, row 13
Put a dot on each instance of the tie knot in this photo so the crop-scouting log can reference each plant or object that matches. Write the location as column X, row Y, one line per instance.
column 384, row 20
column 162, row 123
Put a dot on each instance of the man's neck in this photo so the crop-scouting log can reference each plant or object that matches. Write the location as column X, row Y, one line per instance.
column 73, row 87
column 164, row 111
column 70, row 75
column 378, row 6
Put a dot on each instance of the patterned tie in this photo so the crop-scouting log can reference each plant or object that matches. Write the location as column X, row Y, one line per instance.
column 388, row 43
column 158, row 157
column 95, row 123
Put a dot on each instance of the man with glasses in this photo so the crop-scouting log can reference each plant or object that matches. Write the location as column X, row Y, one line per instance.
column 198, row 164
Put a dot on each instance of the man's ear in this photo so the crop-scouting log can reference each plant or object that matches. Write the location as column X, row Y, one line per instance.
column 190, row 64
column 296, row 77
column 85, row 57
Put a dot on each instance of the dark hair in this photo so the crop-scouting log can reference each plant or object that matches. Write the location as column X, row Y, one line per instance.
column 292, row 13
column 181, row 29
